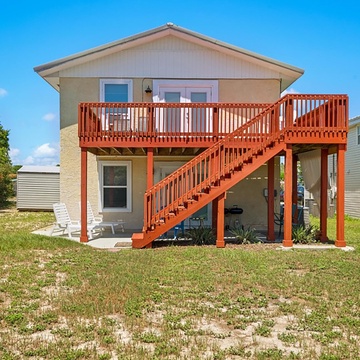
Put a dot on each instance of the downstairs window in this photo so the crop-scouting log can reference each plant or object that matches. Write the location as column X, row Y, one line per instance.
column 115, row 185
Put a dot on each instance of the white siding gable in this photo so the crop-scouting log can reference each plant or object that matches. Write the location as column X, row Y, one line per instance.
column 352, row 174
column 171, row 57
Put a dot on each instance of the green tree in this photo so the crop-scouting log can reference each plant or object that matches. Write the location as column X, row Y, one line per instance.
column 6, row 189
column 15, row 168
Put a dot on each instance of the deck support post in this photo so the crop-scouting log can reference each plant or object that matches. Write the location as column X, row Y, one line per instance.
column 294, row 201
column 220, row 206
column 287, row 241
column 83, row 196
column 149, row 179
column 214, row 210
column 270, row 199
column 150, row 168
column 340, row 197
column 324, row 194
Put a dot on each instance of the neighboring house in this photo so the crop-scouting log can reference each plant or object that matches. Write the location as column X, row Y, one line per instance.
column 135, row 110
column 38, row 187
column 352, row 170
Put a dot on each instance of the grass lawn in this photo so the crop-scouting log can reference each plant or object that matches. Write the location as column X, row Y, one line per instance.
column 63, row 300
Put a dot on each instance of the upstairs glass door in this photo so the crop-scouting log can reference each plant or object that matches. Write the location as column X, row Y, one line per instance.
column 172, row 117
column 184, row 119
column 199, row 119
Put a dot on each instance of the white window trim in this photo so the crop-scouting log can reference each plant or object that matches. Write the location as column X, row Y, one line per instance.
column 103, row 82
column 206, row 84
column 101, row 165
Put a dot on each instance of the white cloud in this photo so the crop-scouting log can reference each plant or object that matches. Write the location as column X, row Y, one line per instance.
column 45, row 154
column 289, row 91
column 46, row 151
column 14, row 152
column 14, row 155
column 3, row 92
column 49, row 117
column 29, row 161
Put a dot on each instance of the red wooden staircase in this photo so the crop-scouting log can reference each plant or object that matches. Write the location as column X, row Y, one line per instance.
column 235, row 157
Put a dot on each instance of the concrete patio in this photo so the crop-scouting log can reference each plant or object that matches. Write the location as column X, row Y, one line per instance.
column 103, row 240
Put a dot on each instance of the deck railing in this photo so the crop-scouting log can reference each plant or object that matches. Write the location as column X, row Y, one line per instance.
column 311, row 118
column 293, row 114
column 162, row 122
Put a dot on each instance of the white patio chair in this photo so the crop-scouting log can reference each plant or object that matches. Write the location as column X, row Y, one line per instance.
column 98, row 220
column 64, row 223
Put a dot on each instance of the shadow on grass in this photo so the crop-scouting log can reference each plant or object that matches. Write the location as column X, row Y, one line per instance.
column 9, row 205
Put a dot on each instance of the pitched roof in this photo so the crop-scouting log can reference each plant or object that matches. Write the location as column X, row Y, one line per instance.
column 354, row 121
column 53, row 67
column 39, row 169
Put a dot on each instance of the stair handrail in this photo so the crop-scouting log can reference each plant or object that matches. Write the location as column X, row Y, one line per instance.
column 225, row 156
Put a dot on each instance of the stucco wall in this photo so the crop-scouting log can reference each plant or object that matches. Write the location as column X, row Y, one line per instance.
column 248, row 195
column 249, row 90
column 73, row 91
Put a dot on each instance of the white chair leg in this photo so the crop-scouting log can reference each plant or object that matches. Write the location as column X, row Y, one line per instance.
column 90, row 235
column 69, row 232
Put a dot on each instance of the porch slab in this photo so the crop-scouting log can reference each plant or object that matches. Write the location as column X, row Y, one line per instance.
column 105, row 241
column 315, row 247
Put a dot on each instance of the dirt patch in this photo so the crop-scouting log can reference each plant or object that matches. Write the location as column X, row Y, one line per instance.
column 123, row 244
column 230, row 245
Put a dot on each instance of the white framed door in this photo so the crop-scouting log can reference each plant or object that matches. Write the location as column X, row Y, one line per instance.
column 190, row 91
column 163, row 169
column 199, row 120
column 172, row 119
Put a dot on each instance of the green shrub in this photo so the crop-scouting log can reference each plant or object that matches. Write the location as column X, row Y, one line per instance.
column 245, row 236
column 305, row 235
column 201, row 236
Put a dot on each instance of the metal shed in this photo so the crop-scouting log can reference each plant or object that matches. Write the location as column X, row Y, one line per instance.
column 38, row 187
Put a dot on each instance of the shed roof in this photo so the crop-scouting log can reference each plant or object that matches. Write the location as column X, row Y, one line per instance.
column 39, row 169
column 50, row 70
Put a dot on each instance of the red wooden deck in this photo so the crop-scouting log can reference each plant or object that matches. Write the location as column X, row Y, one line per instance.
column 237, row 138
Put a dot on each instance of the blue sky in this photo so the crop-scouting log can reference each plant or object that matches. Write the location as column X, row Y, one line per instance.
column 321, row 37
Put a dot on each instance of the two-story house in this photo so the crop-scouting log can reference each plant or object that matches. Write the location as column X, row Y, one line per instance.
column 171, row 126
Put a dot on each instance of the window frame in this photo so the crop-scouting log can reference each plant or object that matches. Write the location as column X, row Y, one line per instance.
column 358, row 134
column 101, row 166
column 104, row 82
